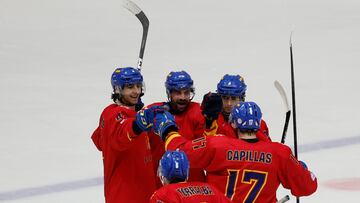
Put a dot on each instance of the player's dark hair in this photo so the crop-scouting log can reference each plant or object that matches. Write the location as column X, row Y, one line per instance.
column 177, row 180
column 115, row 97
column 248, row 131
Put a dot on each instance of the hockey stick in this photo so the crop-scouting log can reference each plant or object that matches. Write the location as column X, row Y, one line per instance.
column 133, row 8
column 293, row 97
column 281, row 90
column 293, row 102
column 284, row 199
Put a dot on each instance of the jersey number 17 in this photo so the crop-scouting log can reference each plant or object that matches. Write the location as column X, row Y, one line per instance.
column 256, row 179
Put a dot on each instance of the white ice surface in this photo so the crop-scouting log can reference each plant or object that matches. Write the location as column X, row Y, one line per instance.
column 56, row 58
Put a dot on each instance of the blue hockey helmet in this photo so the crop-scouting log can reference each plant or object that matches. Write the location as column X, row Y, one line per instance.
column 178, row 80
column 174, row 165
column 246, row 116
column 126, row 76
column 232, row 85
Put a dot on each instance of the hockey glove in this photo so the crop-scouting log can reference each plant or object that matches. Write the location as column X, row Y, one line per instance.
column 139, row 105
column 163, row 124
column 211, row 106
column 145, row 117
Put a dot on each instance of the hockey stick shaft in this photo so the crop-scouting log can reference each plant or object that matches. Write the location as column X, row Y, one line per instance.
column 133, row 8
column 293, row 103
column 282, row 93
column 286, row 124
column 293, row 98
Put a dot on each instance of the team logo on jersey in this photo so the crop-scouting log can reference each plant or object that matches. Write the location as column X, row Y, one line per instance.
column 119, row 117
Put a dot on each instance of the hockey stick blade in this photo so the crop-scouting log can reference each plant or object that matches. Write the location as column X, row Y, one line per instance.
column 136, row 10
column 284, row 199
column 281, row 90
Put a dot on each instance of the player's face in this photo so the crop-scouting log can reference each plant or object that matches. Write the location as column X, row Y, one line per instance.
column 130, row 94
column 229, row 102
column 180, row 99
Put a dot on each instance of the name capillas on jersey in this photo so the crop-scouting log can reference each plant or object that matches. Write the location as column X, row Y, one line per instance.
column 250, row 156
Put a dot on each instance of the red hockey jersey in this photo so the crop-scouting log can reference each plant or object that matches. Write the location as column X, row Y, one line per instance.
column 128, row 167
column 245, row 171
column 188, row 192
column 191, row 124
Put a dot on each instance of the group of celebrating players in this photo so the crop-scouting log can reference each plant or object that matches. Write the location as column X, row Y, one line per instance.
column 183, row 151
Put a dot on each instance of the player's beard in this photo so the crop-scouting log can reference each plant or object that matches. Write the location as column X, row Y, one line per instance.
column 181, row 105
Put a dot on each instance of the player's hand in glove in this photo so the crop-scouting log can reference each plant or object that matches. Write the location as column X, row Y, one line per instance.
column 164, row 123
column 211, row 106
column 145, row 118
column 139, row 105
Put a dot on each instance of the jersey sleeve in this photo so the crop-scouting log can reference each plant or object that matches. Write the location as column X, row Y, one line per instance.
column 295, row 177
column 199, row 154
column 96, row 138
column 263, row 132
column 116, row 128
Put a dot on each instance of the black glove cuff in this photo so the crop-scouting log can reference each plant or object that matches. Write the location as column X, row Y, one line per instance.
column 168, row 130
column 139, row 105
column 208, row 123
column 137, row 130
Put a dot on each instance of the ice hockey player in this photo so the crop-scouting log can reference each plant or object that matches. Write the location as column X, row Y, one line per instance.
column 244, row 169
column 231, row 90
column 122, row 138
column 180, row 92
column 173, row 172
